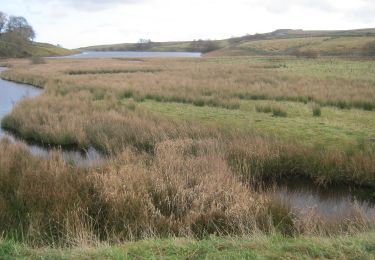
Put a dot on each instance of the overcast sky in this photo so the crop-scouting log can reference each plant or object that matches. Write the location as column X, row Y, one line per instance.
column 77, row 23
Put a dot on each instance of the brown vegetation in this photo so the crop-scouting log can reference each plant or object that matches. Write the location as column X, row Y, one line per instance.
column 185, row 189
column 164, row 178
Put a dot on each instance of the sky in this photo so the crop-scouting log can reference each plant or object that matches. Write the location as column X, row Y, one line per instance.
column 79, row 23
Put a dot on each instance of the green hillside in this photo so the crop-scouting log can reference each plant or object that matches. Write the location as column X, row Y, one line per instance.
column 33, row 49
column 48, row 50
column 298, row 42
column 280, row 42
column 183, row 46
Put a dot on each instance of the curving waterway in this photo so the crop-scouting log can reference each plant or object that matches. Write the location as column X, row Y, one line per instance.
column 10, row 94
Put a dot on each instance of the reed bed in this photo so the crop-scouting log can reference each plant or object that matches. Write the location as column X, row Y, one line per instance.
column 186, row 189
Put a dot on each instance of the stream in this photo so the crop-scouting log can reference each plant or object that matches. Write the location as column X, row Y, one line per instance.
column 10, row 94
column 304, row 198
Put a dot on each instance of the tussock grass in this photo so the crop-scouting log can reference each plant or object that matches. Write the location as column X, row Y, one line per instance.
column 279, row 112
column 113, row 71
column 263, row 109
column 317, row 111
column 276, row 111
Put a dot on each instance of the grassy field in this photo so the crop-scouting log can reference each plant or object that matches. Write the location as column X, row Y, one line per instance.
column 188, row 141
column 258, row 247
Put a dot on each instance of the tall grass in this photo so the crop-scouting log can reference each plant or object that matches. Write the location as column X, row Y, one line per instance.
column 179, row 192
column 164, row 178
column 186, row 188
column 229, row 79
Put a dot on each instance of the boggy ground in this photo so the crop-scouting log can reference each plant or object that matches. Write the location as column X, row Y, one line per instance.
column 300, row 109
column 186, row 137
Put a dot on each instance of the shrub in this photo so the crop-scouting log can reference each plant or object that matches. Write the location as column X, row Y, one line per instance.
column 37, row 60
column 199, row 102
column 317, row 111
column 204, row 46
column 279, row 112
column 370, row 49
column 127, row 94
column 263, row 109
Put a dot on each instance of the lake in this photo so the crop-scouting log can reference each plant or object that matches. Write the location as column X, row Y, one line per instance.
column 131, row 54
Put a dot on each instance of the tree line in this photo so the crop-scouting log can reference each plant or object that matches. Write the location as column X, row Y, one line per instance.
column 15, row 35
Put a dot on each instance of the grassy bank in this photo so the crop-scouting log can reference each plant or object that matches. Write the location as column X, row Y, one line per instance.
column 361, row 246
column 35, row 49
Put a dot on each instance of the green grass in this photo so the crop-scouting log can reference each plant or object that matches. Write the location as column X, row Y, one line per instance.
column 48, row 50
column 335, row 128
column 360, row 246
column 37, row 49
column 327, row 68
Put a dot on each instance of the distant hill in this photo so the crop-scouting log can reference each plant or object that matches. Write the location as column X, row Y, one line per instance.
column 280, row 42
column 183, row 46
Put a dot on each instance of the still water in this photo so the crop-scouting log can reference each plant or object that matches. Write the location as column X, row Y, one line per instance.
column 132, row 54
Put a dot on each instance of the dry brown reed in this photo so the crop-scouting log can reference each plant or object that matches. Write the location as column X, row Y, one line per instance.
column 185, row 189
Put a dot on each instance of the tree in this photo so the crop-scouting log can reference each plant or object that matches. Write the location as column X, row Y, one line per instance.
column 204, row 46
column 3, row 21
column 20, row 26
column 143, row 44
column 16, row 34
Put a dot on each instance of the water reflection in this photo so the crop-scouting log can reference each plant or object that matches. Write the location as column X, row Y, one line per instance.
column 330, row 203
